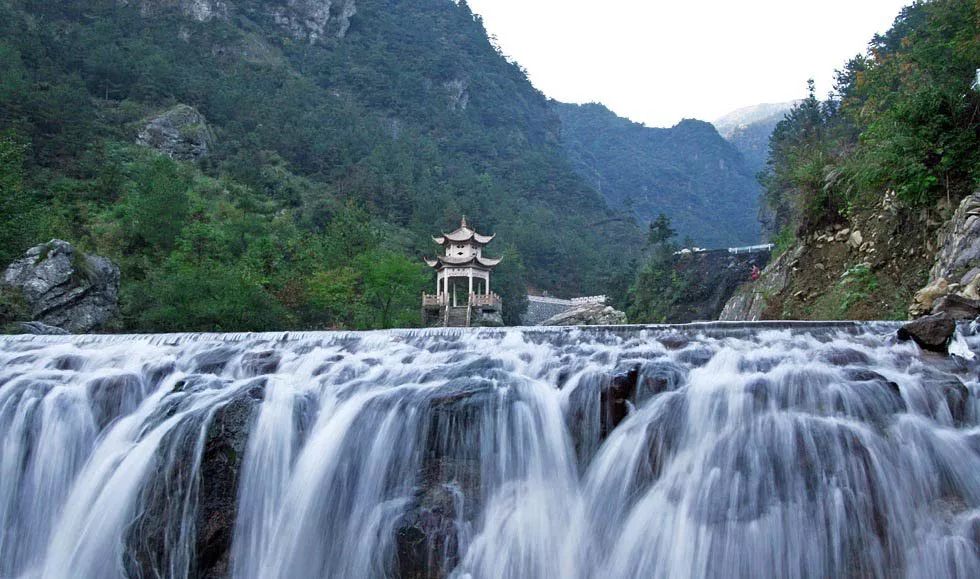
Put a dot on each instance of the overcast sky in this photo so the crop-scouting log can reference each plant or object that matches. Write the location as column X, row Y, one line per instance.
column 658, row 61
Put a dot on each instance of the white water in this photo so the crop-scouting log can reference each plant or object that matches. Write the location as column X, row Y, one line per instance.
column 762, row 451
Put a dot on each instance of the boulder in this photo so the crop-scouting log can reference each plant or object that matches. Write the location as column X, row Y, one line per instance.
column 855, row 239
column 64, row 287
column 957, row 307
column 587, row 315
column 930, row 332
column 181, row 133
column 924, row 299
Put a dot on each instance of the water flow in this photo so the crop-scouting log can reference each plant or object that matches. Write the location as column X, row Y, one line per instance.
column 700, row 451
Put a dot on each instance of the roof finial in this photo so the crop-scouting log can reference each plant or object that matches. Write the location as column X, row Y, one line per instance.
column 462, row 223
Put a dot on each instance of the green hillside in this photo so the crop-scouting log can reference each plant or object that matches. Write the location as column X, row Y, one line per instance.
column 341, row 141
column 688, row 172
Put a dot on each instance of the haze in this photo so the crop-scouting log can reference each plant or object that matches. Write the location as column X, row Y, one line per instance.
column 658, row 62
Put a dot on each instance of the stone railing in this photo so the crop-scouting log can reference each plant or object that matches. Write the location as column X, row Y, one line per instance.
column 485, row 300
column 588, row 300
column 434, row 301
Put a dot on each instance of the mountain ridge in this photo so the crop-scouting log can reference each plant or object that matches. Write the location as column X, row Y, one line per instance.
column 688, row 172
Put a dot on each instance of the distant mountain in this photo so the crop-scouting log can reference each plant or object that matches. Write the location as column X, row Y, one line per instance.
column 749, row 128
column 689, row 172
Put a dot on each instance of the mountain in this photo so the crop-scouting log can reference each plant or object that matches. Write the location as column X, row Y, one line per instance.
column 688, row 172
column 749, row 129
column 341, row 129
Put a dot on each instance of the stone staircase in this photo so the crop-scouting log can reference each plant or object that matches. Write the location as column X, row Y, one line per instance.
column 456, row 317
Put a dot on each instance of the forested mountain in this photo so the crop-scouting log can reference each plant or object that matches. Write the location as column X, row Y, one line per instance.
column 749, row 129
column 344, row 133
column 688, row 172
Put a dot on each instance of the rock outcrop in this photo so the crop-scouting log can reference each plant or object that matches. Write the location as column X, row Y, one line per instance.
column 181, row 133
column 959, row 243
column 305, row 20
column 750, row 301
column 64, row 288
column 954, row 279
column 311, row 20
column 588, row 315
column 711, row 278
column 197, row 10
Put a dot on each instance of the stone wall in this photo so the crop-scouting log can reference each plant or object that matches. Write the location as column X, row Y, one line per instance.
column 541, row 308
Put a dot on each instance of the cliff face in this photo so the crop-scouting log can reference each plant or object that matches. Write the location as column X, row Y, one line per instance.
column 870, row 268
column 713, row 276
column 308, row 20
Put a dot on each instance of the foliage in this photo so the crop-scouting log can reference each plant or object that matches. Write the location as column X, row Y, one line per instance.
column 18, row 208
column 657, row 285
column 689, row 172
column 509, row 282
column 333, row 162
column 903, row 117
column 660, row 230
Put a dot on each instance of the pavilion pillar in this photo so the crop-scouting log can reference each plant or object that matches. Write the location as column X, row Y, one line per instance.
column 471, row 288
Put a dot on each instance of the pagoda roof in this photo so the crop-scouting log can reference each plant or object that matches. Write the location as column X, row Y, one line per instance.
column 462, row 234
column 473, row 261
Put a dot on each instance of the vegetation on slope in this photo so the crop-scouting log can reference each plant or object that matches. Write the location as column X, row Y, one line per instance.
column 889, row 154
column 334, row 161
column 688, row 172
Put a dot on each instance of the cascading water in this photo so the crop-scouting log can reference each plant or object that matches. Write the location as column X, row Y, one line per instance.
column 699, row 451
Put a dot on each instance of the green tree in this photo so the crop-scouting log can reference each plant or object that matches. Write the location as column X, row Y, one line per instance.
column 392, row 285
column 660, row 230
column 508, row 281
column 18, row 207
column 156, row 208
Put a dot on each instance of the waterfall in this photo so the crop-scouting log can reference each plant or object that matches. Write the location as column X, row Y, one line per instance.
column 795, row 450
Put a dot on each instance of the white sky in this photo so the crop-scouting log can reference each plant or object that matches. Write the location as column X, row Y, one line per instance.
column 658, row 61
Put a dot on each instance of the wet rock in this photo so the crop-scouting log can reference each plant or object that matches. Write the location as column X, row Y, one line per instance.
column 181, row 133
column 42, row 329
column 957, row 307
column 213, row 361
column 615, row 398
column 258, row 363
column 114, row 396
column 930, row 333
column 949, row 391
column 844, row 356
column 695, row 356
column 426, row 544
column 64, row 287
column 658, row 377
column 224, row 451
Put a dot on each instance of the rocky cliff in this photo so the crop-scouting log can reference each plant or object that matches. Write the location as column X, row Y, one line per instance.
column 65, row 288
column 307, row 20
column 886, row 262
column 712, row 277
